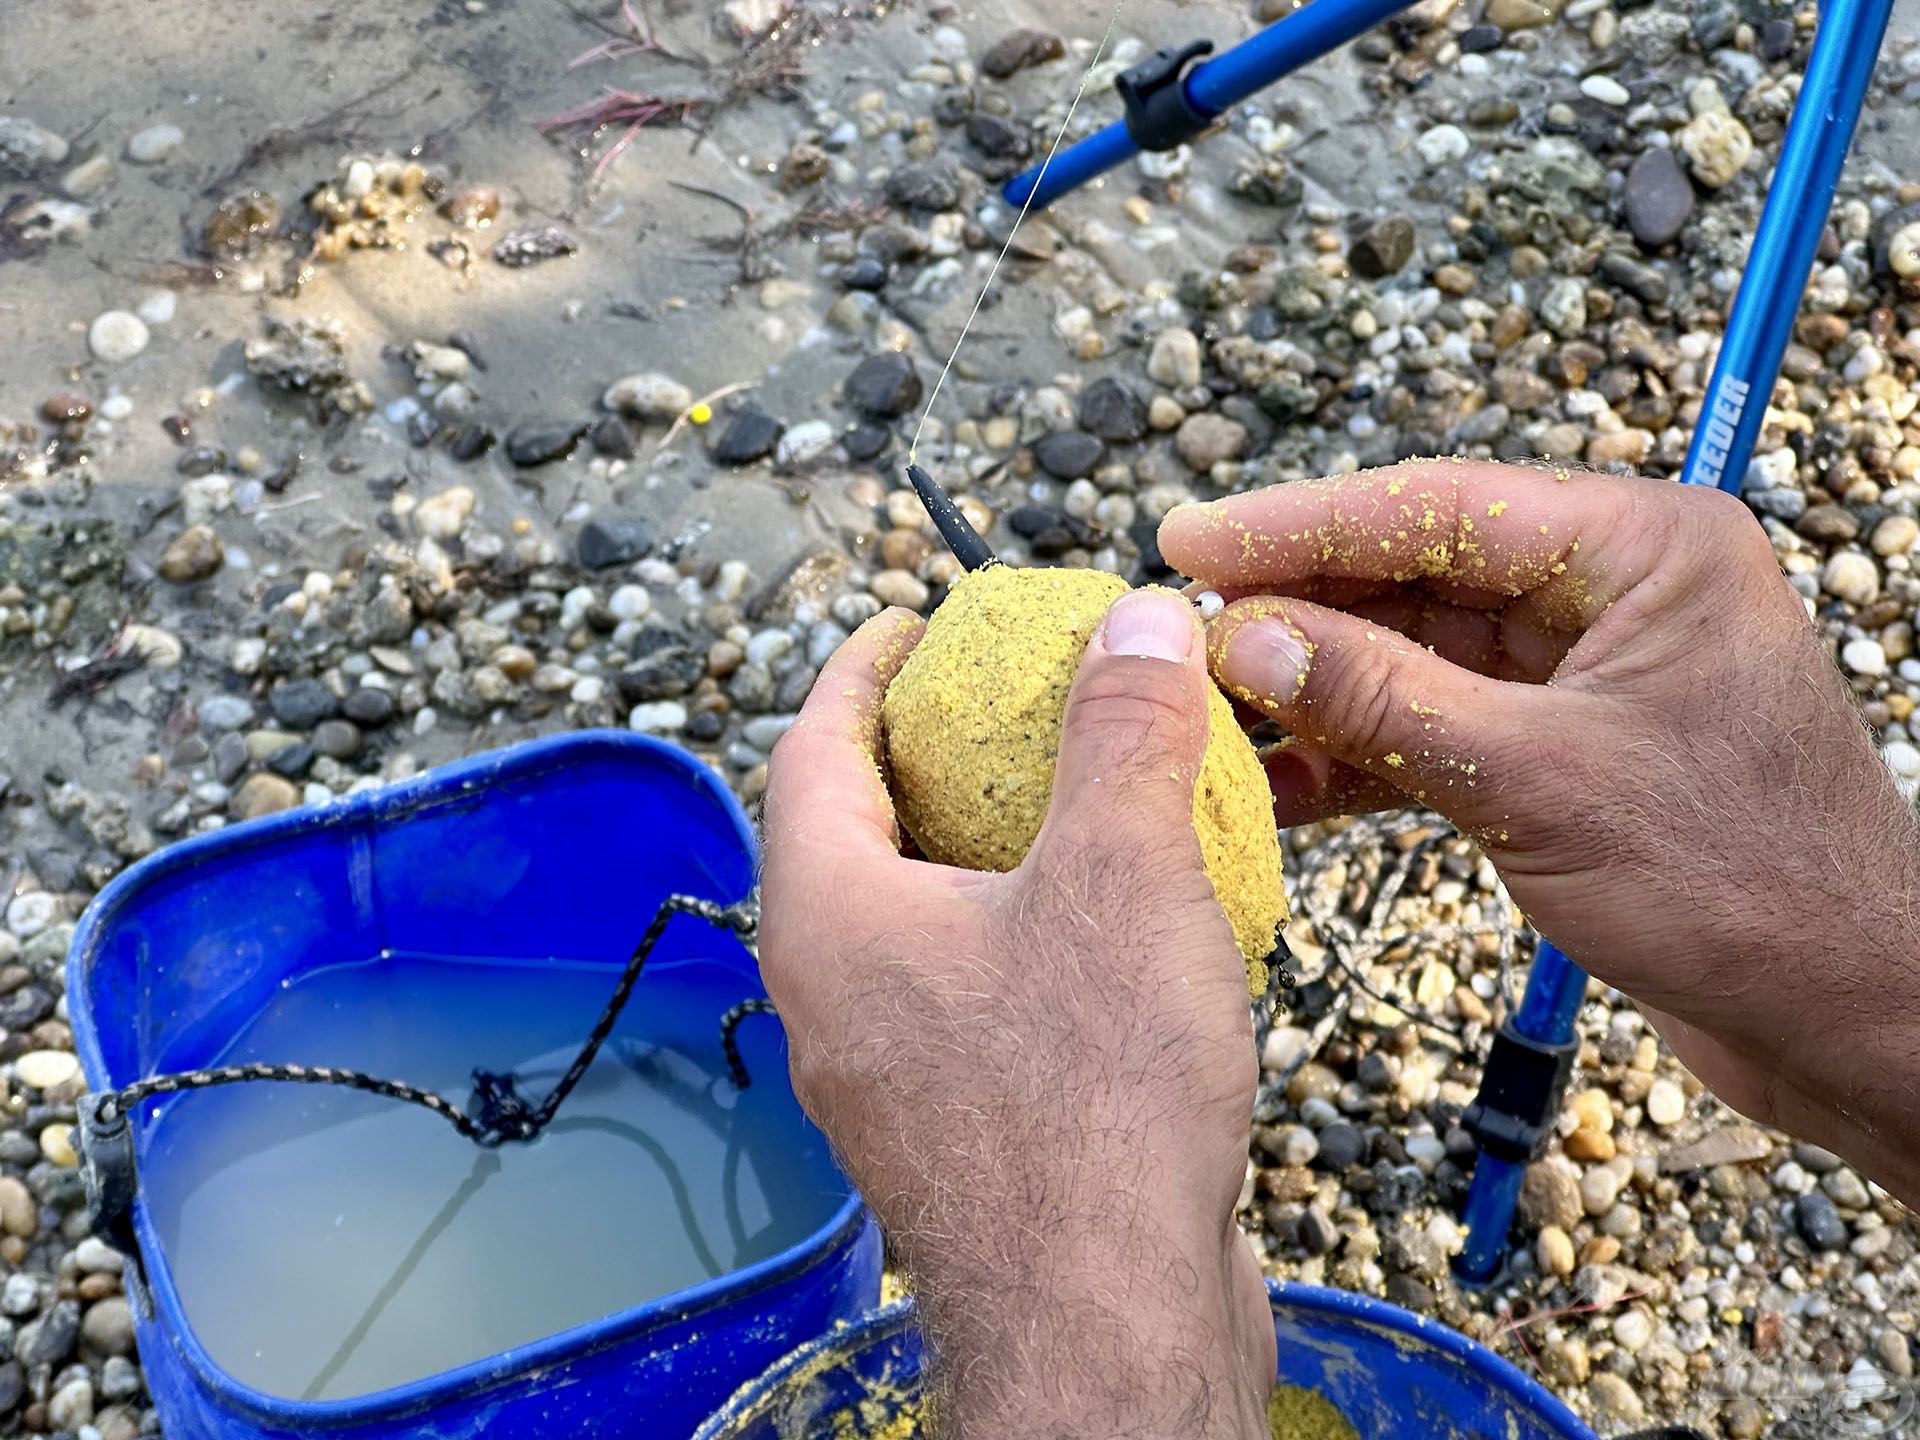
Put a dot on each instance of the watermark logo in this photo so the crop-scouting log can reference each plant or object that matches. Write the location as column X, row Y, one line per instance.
column 1815, row 1404
column 1720, row 420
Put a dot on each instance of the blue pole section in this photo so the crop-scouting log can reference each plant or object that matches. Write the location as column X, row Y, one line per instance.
column 1758, row 329
column 1213, row 87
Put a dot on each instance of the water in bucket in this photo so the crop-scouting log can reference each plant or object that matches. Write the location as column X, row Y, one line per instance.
column 328, row 1243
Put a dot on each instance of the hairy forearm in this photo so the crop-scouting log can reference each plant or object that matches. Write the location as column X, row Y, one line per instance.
column 1149, row 1334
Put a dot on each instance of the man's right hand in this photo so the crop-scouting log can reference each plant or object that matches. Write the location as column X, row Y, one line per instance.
column 1608, row 683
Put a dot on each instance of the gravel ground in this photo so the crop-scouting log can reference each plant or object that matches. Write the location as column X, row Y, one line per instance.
column 352, row 419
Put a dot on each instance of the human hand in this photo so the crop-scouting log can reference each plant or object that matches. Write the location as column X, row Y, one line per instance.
column 1041, row 1081
column 1607, row 682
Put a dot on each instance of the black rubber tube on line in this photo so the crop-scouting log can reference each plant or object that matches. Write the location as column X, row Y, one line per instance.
column 968, row 548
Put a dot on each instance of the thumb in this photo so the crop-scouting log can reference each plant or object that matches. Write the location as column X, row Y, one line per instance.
column 1135, row 726
column 1371, row 697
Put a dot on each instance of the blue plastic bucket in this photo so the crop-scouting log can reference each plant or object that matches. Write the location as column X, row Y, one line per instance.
column 1392, row 1373
column 563, row 846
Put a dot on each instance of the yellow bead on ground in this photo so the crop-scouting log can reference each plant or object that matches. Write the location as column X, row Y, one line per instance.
column 700, row 414
column 973, row 731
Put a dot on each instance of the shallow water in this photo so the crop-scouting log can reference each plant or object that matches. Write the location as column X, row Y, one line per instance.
column 327, row 1243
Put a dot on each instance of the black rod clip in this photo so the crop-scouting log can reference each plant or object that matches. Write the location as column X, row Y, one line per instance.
column 103, row 1139
column 1519, row 1095
column 1160, row 113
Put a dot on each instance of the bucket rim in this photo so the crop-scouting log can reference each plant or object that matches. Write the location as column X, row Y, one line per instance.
column 1288, row 1295
column 455, row 780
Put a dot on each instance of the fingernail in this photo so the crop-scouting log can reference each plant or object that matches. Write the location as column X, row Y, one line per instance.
column 1267, row 659
column 1150, row 626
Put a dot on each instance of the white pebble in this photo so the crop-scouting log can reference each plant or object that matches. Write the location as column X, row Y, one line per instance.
column 1851, row 576
column 44, row 1069
column 117, row 335
column 1443, row 144
column 31, row 913
column 1666, row 1102
column 154, row 144
column 1903, row 759
column 1210, row 604
column 1864, row 657
column 1605, row 89
column 157, row 306
column 658, row 717
column 630, row 602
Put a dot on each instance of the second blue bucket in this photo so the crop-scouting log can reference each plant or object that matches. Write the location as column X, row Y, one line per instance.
column 547, row 859
column 1394, row 1375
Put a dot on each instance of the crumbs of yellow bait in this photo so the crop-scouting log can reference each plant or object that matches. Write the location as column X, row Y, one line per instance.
column 701, row 413
column 1393, row 759
column 1497, row 509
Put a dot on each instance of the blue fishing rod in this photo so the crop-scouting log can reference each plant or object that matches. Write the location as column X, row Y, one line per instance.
column 1169, row 99
column 1533, row 1053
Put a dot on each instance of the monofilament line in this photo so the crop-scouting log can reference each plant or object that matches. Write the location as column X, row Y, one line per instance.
column 913, row 448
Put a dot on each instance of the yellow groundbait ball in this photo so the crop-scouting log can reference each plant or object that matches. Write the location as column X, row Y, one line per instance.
column 973, row 729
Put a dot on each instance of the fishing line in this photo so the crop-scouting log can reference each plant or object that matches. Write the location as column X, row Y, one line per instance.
column 1099, row 54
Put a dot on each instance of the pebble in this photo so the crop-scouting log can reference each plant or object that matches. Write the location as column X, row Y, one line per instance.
column 443, row 516
column 1852, row 577
column 1605, row 90
column 46, row 1069
column 1864, row 657
column 1632, row 1330
column 1383, row 248
column 56, row 1143
column 29, row 914
column 1599, row 1188
column 1895, row 535
column 1341, row 1147
column 542, row 444
column 1068, row 454
column 1666, row 1103
column 1020, row 50
column 803, row 444
column 1174, row 360
column 263, row 793
column 1717, row 147
column 154, row 144
column 898, row 587
column 614, row 540
column 1847, row 1188
column 1554, row 1250
column 1112, row 410
column 1205, row 440
column 194, row 554
column 72, row 1404
column 1819, row 1222
column 108, row 1326
column 1443, row 145
column 657, row 717
column 116, row 336
column 884, row 386
column 19, row 1215
column 302, row 704
column 649, row 396
column 368, row 706
column 751, row 435
column 1659, row 199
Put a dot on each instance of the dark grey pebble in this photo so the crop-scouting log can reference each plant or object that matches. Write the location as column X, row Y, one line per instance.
column 611, row 435
column 469, row 442
column 302, row 704
column 864, row 272
column 749, row 436
column 1113, row 410
column 992, row 135
column 292, row 761
column 25, row 1008
column 543, row 444
column 1659, row 198
column 1776, row 39
column 928, row 185
column 614, row 540
column 1478, row 39
column 50, row 1337
column 1819, row 1222
column 229, row 758
column 884, row 387
column 1341, row 1147
column 1383, row 248
column 367, row 706
column 1068, row 454
column 864, row 442
column 663, row 675
column 705, row 726
column 201, row 460
column 339, row 739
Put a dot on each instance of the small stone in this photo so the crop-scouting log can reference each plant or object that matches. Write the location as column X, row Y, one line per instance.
column 1864, row 657
column 1554, row 1250
column 117, row 336
column 368, row 706
column 1599, row 1188
column 530, row 445
column 1205, row 440
column 1563, row 309
column 1605, row 90
column 1632, row 1330
column 1895, row 535
column 25, row 146
column 29, row 914
column 1852, row 577
column 1829, row 524
column 533, row 245
column 1068, row 454
column 649, row 396
column 443, row 516
column 66, row 408
column 1615, row 1399
column 337, row 739
column 929, row 185
column 292, row 761
column 1383, row 248
column 1318, row 1234
column 264, row 793
column 1511, row 15
column 1895, row 1353
column 1847, row 1188
column 1341, row 1147
column 657, row 717
column 72, row 1405
column 49, row 1338
column 613, row 540
column 1819, row 1222
column 195, row 554
column 884, row 386
column 56, row 1143
column 612, row 436
column 900, row 587
column 47, row 1069
column 19, row 1216
column 154, row 144
column 1717, row 147
column 301, row 704
column 1019, row 51
column 750, row 436
column 1666, row 1103
column 1659, row 198
column 96, row 1257
column 1112, row 410
column 1443, row 144
column 108, row 1326
column 1174, row 360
